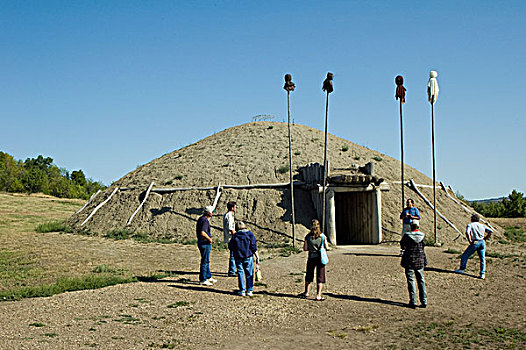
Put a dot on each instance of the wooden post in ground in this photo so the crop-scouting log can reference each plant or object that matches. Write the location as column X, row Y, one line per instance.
column 289, row 86
column 432, row 95
column 400, row 94
column 328, row 88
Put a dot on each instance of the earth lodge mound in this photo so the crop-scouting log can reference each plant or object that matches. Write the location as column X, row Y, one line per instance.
column 249, row 163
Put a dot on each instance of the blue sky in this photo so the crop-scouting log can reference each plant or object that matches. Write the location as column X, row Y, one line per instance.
column 104, row 86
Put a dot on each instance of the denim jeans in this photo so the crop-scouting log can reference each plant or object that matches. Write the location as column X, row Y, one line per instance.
column 204, row 270
column 245, row 273
column 231, row 264
column 410, row 275
column 480, row 248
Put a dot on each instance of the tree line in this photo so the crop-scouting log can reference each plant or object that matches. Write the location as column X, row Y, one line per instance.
column 41, row 175
column 512, row 207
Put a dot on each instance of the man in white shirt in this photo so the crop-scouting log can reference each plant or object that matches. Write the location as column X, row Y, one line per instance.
column 229, row 229
column 475, row 232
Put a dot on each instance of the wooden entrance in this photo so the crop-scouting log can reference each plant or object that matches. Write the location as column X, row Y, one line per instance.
column 354, row 217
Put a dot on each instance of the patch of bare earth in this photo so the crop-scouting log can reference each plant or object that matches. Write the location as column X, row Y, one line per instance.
column 365, row 306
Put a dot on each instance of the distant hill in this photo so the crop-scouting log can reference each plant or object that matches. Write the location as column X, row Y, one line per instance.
column 487, row 201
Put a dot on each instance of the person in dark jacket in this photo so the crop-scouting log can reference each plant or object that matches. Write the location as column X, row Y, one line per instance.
column 414, row 260
column 244, row 247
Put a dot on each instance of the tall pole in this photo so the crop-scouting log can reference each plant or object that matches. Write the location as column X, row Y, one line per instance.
column 325, row 164
column 432, row 95
column 290, row 86
column 290, row 172
column 327, row 87
column 400, row 94
column 434, row 178
column 402, row 156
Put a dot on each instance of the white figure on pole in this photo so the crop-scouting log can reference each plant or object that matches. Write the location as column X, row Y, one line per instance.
column 432, row 96
column 432, row 87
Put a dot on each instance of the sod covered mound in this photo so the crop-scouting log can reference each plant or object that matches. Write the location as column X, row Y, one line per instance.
column 252, row 154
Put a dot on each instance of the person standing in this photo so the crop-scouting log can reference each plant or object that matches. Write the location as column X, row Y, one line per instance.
column 229, row 228
column 244, row 246
column 414, row 260
column 314, row 241
column 204, row 243
column 475, row 232
column 409, row 215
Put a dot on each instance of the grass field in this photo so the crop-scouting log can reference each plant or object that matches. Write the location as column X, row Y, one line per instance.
column 44, row 263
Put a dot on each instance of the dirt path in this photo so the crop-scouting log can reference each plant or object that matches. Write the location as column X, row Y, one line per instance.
column 366, row 295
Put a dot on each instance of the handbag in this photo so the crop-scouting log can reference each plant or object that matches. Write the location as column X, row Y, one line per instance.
column 259, row 277
column 323, row 253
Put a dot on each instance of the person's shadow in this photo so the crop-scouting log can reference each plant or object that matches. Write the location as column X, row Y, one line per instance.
column 435, row 269
column 367, row 300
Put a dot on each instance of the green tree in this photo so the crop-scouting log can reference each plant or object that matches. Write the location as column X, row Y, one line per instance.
column 515, row 205
column 35, row 180
column 79, row 178
column 10, row 171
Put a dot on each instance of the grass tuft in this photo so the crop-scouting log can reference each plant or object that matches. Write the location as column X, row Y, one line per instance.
column 178, row 304
column 53, row 226
column 283, row 169
column 66, row 284
column 515, row 234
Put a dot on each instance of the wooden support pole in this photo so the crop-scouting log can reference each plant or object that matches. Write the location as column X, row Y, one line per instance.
column 402, row 155
column 290, row 173
column 218, row 194
column 434, row 177
column 140, row 205
column 325, row 170
column 89, row 201
column 414, row 187
column 99, row 206
column 177, row 189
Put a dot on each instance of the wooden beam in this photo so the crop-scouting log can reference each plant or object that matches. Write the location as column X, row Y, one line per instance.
column 175, row 189
column 414, row 187
column 99, row 206
column 89, row 201
column 140, row 205
column 218, row 194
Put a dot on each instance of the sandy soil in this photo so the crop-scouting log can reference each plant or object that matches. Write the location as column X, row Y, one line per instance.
column 365, row 305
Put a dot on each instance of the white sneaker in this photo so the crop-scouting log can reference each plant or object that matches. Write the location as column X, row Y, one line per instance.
column 460, row 271
column 241, row 294
column 250, row 294
column 213, row 280
column 206, row 283
column 482, row 277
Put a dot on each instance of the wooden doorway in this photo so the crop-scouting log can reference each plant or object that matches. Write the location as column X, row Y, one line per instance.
column 354, row 217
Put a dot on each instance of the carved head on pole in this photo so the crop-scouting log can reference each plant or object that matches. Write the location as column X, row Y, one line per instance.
column 432, row 87
column 400, row 89
column 289, row 85
column 327, row 83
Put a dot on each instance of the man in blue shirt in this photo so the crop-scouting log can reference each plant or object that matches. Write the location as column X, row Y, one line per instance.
column 204, row 243
column 409, row 215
